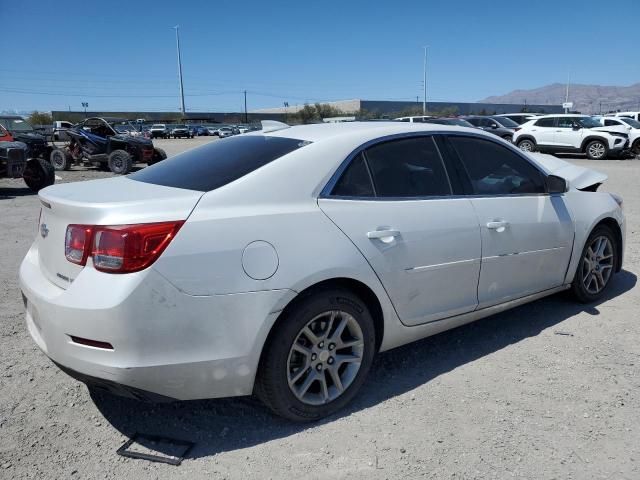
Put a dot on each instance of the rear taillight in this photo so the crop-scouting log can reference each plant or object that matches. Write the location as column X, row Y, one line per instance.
column 76, row 243
column 119, row 248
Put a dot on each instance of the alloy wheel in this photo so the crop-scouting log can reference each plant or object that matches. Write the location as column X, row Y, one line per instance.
column 597, row 265
column 526, row 146
column 597, row 150
column 325, row 357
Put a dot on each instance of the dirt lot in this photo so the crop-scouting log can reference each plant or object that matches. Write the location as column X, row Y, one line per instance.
column 549, row 390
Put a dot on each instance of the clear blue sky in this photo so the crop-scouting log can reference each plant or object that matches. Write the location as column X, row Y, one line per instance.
column 120, row 55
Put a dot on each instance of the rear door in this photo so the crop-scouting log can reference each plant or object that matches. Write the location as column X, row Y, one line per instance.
column 527, row 234
column 544, row 131
column 394, row 202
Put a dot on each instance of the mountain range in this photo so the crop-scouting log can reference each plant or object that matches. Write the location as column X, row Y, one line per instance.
column 590, row 99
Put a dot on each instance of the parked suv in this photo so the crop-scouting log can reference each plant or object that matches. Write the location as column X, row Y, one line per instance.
column 625, row 125
column 159, row 130
column 181, row 131
column 571, row 133
column 500, row 126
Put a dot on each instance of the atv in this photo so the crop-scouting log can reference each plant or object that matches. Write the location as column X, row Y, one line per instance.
column 107, row 143
column 19, row 130
column 36, row 172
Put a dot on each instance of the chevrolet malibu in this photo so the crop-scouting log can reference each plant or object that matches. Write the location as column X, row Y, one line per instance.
column 279, row 262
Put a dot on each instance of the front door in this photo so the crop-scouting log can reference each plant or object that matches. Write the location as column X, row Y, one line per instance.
column 394, row 202
column 527, row 235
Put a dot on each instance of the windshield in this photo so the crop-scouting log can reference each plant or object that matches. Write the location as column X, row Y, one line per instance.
column 16, row 125
column 505, row 122
column 587, row 122
column 180, row 126
column 630, row 121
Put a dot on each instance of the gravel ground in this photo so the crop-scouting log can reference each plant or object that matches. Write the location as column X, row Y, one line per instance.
column 548, row 390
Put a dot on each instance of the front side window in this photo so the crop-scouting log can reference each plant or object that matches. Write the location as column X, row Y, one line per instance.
column 565, row 122
column 495, row 170
column 587, row 122
column 410, row 167
column 611, row 123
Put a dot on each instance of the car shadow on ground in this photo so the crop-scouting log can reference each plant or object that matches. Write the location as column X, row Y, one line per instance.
column 9, row 193
column 223, row 425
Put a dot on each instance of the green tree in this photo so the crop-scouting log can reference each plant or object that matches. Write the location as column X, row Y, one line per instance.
column 40, row 118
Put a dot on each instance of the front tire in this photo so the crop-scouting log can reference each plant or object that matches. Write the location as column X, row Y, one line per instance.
column 598, row 262
column 527, row 145
column 635, row 148
column 318, row 356
column 38, row 174
column 596, row 150
column 120, row 162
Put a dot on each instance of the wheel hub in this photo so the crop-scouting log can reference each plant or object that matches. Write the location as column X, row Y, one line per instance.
column 597, row 265
column 325, row 357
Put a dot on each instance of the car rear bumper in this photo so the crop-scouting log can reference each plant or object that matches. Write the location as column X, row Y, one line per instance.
column 164, row 343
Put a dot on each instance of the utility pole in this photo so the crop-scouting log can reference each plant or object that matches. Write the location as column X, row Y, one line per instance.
column 566, row 96
column 424, row 81
column 182, row 109
column 245, row 107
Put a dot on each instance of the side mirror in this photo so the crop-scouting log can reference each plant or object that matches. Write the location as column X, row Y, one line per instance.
column 494, row 125
column 557, row 184
column 576, row 126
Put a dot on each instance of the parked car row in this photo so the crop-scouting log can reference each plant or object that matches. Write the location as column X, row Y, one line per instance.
column 162, row 130
column 598, row 137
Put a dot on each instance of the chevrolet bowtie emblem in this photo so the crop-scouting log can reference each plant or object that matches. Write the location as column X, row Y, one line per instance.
column 44, row 231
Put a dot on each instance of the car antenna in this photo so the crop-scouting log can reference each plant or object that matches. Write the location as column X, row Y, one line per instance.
column 273, row 125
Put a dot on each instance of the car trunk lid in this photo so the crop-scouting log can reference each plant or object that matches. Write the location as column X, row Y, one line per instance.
column 113, row 201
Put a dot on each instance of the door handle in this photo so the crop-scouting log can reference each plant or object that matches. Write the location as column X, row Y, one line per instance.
column 385, row 236
column 498, row 225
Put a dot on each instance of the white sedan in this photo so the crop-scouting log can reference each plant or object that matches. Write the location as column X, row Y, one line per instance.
column 280, row 262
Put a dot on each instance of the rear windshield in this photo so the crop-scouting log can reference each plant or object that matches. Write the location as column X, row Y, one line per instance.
column 217, row 163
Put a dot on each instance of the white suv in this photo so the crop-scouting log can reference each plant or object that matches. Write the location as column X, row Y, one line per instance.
column 626, row 125
column 570, row 133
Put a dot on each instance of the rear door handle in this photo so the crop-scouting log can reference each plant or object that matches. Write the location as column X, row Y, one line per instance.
column 385, row 236
column 498, row 225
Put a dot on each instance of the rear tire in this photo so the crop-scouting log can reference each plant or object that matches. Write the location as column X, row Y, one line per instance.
column 60, row 159
column 527, row 145
column 38, row 174
column 158, row 155
column 596, row 150
column 598, row 262
column 308, row 348
column 120, row 162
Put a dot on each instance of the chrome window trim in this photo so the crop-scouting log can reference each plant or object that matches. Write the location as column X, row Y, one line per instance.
column 325, row 193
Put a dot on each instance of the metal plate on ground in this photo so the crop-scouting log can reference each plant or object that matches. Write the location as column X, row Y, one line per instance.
column 156, row 449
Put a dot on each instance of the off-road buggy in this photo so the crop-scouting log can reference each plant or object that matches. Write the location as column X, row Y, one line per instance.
column 19, row 130
column 36, row 172
column 109, row 143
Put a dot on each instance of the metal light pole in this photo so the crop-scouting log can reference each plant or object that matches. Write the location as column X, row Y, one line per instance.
column 245, row 107
column 182, row 109
column 566, row 96
column 424, row 81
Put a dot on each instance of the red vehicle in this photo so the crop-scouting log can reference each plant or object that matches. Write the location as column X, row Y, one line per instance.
column 5, row 135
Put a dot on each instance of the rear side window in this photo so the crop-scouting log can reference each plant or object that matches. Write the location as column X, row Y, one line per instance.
column 217, row 163
column 410, row 167
column 545, row 122
column 355, row 181
column 495, row 170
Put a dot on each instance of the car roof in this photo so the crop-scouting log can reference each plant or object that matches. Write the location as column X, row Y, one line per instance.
column 554, row 115
column 320, row 131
